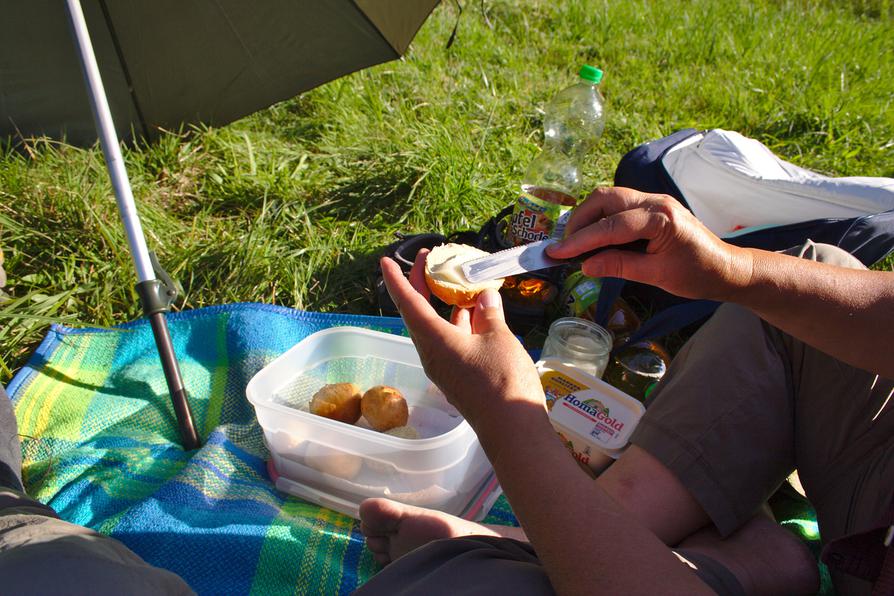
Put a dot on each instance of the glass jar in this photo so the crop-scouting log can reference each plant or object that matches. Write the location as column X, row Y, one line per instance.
column 637, row 368
column 578, row 343
column 622, row 321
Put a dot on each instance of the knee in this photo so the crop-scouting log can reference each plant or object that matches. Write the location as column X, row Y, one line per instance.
column 652, row 494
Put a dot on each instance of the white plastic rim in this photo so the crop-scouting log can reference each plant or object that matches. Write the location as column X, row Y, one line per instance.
column 300, row 357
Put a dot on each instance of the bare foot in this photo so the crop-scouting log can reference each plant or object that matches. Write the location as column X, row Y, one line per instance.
column 393, row 529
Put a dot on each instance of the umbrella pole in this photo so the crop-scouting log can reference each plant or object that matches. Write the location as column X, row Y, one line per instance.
column 150, row 289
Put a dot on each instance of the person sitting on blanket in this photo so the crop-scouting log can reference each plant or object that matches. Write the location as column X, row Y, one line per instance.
column 41, row 554
column 793, row 373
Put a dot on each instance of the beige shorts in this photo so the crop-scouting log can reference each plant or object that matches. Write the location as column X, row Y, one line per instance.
column 743, row 405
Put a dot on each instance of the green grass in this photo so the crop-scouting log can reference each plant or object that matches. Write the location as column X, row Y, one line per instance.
column 292, row 204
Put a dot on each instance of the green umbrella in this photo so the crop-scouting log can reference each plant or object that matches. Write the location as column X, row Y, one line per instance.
column 163, row 63
column 166, row 63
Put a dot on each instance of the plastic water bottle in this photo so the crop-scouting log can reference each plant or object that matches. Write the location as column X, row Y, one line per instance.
column 572, row 126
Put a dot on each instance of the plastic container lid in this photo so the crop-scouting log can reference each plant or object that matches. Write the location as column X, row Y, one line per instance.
column 594, row 419
column 590, row 73
column 604, row 419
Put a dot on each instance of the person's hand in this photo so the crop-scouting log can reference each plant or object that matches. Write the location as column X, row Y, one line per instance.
column 683, row 256
column 475, row 360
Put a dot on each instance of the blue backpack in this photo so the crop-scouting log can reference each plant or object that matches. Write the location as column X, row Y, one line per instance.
column 869, row 238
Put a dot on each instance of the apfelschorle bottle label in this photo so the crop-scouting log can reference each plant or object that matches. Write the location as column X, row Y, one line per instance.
column 579, row 294
column 533, row 218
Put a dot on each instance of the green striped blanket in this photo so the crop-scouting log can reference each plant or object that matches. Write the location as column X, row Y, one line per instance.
column 101, row 447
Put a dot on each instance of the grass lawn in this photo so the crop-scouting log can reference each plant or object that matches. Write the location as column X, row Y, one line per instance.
column 291, row 205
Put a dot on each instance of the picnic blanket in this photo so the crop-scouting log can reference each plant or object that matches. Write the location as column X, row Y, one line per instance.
column 100, row 446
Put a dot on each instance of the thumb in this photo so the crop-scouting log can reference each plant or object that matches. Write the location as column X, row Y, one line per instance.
column 488, row 315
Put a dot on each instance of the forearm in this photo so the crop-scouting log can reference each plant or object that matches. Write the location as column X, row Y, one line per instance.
column 846, row 313
column 585, row 540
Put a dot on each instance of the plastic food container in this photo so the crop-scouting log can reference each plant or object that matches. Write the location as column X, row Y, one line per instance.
column 338, row 465
column 594, row 419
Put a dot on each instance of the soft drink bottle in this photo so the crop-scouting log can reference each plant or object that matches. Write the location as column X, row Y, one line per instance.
column 572, row 125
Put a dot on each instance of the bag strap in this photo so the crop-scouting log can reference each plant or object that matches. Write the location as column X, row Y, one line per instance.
column 672, row 318
column 608, row 293
column 868, row 555
column 884, row 584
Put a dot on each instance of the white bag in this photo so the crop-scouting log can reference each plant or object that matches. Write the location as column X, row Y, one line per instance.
column 763, row 190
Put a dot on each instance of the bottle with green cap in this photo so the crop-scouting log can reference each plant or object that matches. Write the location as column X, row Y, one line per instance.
column 572, row 124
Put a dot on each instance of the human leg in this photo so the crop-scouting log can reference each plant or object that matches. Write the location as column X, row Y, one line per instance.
column 648, row 487
column 41, row 554
column 494, row 565
column 10, row 449
column 731, row 437
column 726, row 440
column 649, row 482
column 844, row 447
column 464, row 566
column 762, row 556
column 393, row 529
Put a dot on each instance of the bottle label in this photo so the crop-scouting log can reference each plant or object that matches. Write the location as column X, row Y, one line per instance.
column 533, row 219
column 580, row 293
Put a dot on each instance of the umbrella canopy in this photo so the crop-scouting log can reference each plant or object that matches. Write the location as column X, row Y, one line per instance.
column 157, row 64
column 165, row 63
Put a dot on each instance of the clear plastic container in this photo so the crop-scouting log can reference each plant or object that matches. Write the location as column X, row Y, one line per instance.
column 578, row 343
column 337, row 465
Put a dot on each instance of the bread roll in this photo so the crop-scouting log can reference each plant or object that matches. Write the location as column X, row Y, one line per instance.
column 338, row 401
column 384, row 408
column 404, row 432
column 332, row 461
column 446, row 280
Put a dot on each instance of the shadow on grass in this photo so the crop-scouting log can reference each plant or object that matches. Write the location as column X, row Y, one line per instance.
column 350, row 285
column 384, row 195
column 295, row 121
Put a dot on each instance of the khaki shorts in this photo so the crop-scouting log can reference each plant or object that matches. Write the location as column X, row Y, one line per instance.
column 486, row 565
column 743, row 405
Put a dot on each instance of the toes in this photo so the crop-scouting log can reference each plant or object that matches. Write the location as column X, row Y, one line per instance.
column 378, row 545
column 380, row 517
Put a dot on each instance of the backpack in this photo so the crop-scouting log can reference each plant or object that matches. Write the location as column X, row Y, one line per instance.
column 751, row 198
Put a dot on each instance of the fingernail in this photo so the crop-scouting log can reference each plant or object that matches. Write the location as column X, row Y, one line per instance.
column 490, row 299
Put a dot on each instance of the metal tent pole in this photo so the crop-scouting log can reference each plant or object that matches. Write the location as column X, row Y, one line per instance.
column 150, row 289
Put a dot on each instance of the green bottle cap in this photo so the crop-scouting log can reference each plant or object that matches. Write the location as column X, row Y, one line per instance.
column 590, row 73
